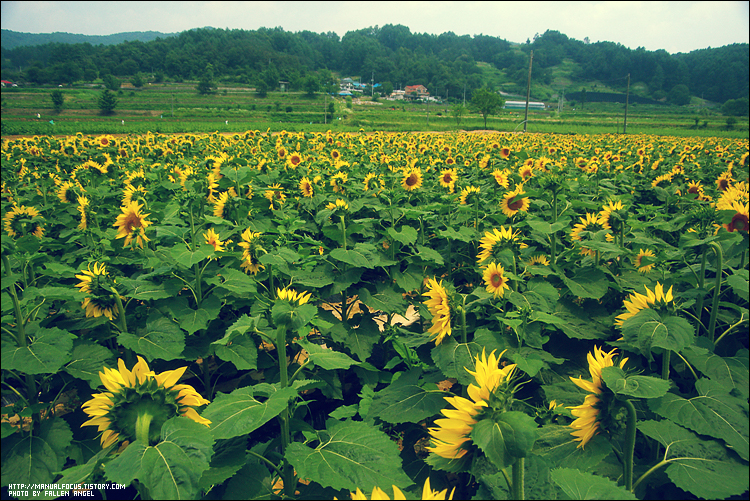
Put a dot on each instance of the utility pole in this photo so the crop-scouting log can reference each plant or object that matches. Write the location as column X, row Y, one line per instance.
column 372, row 84
column 325, row 110
column 528, row 94
column 627, row 95
column 464, row 94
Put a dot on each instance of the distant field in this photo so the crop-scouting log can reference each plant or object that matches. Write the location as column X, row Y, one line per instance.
column 175, row 108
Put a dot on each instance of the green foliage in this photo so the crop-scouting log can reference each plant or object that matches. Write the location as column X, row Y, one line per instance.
column 736, row 107
column 486, row 102
column 679, row 95
column 58, row 100
column 107, row 102
column 309, row 333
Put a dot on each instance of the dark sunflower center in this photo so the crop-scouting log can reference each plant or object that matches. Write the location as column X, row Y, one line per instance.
column 739, row 223
column 412, row 180
column 515, row 204
column 496, row 280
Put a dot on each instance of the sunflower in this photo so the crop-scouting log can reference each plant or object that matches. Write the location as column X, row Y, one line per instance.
column 412, row 179
column 22, row 220
column 339, row 204
column 664, row 177
column 448, row 179
column 130, row 220
column 637, row 302
column 505, row 238
column 527, row 169
column 513, row 203
column 589, row 415
column 695, row 189
column 489, row 377
column 724, row 181
column 427, row 493
column 101, row 301
column 131, row 193
column 137, row 403
column 440, row 308
column 504, row 153
column 294, row 160
column 83, row 204
column 495, row 280
column 373, row 182
column 639, row 260
column 293, row 296
column 281, row 152
column 251, row 245
column 466, row 193
column 212, row 238
column 739, row 221
column 612, row 216
column 338, row 180
column 335, row 155
column 306, row 187
column 275, row 194
column 449, row 439
column 220, row 204
column 66, row 192
column 501, row 177
column 538, row 259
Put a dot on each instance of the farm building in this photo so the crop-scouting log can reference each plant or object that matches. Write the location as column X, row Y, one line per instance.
column 521, row 105
column 416, row 92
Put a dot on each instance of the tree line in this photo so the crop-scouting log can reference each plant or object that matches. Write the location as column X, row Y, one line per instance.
column 445, row 63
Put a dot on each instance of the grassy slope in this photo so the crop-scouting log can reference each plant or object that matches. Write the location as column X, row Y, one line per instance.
column 178, row 108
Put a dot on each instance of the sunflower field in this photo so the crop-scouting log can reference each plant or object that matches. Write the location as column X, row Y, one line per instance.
column 352, row 316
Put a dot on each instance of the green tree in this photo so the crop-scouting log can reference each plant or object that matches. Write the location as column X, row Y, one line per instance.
column 331, row 110
column 107, row 102
column 137, row 81
column 206, row 84
column 583, row 97
column 679, row 95
column 261, row 88
column 57, row 100
column 387, row 88
column 111, row 82
column 736, row 107
column 731, row 122
column 458, row 111
column 486, row 102
column 311, row 85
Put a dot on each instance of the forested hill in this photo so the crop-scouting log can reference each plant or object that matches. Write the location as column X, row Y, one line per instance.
column 446, row 63
column 12, row 39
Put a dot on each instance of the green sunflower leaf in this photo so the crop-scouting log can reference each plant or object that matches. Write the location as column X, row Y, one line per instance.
column 587, row 283
column 699, row 466
column 406, row 236
column 714, row 412
column 87, row 361
column 405, row 401
column 239, row 413
column 170, row 469
column 454, row 358
column 326, row 358
column 36, row 458
column 581, row 485
column 48, row 351
column 362, row 256
column 647, row 330
column 161, row 338
column 732, row 372
column 350, row 455
column 634, row 386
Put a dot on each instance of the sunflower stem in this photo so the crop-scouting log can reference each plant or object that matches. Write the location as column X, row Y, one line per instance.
column 701, row 281
column 553, row 237
column 515, row 281
column 517, row 489
column 462, row 317
column 121, row 322
column 31, row 388
column 649, row 472
column 143, row 426
column 665, row 359
column 717, row 288
column 629, row 448
column 289, row 483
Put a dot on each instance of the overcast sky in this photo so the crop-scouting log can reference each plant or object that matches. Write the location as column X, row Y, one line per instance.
column 672, row 26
